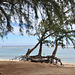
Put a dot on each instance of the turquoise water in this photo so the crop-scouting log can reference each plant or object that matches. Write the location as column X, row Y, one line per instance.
column 66, row 54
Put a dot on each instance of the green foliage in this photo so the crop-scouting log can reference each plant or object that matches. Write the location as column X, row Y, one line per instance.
column 27, row 10
column 61, row 27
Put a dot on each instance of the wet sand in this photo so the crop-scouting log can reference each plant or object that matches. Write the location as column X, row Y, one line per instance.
column 31, row 68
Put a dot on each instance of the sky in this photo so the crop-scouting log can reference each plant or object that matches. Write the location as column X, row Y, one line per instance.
column 15, row 39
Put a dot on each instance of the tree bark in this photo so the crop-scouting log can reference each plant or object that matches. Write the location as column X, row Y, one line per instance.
column 30, row 50
column 40, row 49
column 54, row 52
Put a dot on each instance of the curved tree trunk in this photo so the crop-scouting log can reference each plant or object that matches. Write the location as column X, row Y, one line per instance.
column 54, row 52
column 40, row 49
column 30, row 50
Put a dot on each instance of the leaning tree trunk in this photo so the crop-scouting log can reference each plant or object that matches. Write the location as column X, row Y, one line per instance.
column 29, row 51
column 54, row 52
column 40, row 50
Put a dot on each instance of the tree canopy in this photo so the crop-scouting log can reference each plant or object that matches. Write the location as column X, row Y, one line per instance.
column 58, row 27
column 24, row 11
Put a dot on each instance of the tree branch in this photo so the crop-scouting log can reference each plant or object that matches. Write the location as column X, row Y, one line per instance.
column 7, row 18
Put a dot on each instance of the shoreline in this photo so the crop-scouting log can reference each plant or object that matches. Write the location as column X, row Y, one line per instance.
column 8, row 60
column 66, row 64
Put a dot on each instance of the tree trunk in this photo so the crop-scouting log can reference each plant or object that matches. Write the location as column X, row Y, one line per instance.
column 28, row 52
column 54, row 52
column 40, row 50
column 44, row 39
column 40, row 41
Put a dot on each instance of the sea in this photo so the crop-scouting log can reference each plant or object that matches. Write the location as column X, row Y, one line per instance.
column 67, row 55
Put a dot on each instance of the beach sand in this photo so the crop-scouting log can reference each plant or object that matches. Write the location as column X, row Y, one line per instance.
column 31, row 68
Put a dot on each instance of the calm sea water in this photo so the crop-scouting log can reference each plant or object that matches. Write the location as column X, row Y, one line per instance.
column 66, row 54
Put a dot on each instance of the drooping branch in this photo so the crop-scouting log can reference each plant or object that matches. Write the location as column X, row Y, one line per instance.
column 7, row 18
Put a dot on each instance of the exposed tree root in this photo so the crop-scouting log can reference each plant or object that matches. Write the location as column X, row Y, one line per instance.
column 45, row 59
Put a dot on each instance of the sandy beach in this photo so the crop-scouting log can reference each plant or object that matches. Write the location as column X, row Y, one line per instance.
column 31, row 68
